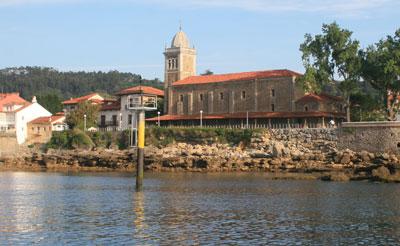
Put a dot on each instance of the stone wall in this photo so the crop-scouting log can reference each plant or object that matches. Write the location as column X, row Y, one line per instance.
column 8, row 144
column 376, row 137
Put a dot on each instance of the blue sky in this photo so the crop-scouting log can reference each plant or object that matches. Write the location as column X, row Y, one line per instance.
column 130, row 35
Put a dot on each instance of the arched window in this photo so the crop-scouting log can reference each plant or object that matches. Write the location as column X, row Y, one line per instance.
column 273, row 92
column 243, row 94
column 201, row 97
column 273, row 107
column 181, row 98
column 306, row 108
column 221, row 96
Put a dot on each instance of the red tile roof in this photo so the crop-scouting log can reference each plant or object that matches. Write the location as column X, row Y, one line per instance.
column 11, row 99
column 47, row 119
column 83, row 98
column 203, row 79
column 142, row 89
column 252, row 115
column 320, row 98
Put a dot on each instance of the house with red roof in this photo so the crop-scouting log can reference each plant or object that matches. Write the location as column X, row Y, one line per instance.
column 116, row 115
column 16, row 112
column 40, row 130
column 270, row 98
column 72, row 103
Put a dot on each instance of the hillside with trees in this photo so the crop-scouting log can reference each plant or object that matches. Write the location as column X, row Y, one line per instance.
column 48, row 83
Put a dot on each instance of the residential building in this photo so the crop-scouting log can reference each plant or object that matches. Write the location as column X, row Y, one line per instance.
column 72, row 104
column 40, row 129
column 15, row 113
column 116, row 114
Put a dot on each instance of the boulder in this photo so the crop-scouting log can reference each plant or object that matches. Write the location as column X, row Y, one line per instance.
column 381, row 173
column 278, row 149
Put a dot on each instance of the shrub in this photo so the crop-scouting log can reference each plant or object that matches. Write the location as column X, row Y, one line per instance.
column 79, row 140
column 59, row 140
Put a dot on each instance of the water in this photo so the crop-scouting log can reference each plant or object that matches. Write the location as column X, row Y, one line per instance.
column 187, row 209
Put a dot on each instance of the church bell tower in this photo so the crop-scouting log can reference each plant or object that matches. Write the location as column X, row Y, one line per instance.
column 180, row 63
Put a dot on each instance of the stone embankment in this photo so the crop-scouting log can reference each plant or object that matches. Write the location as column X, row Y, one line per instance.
column 286, row 153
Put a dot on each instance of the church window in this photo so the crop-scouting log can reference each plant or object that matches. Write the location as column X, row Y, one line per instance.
column 169, row 63
column 201, row 97
column 273, row 107
column 176, row 63
column 181, row 98
column 306, row 108
column 243, row 94
column 221, row 96
column 273, row 92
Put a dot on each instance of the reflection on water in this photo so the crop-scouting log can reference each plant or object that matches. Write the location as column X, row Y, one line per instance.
column 187, row 209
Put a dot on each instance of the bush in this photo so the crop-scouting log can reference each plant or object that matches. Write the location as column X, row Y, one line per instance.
column 79, row 140
column 101, row 139
column 59, row 140
column 123, row 139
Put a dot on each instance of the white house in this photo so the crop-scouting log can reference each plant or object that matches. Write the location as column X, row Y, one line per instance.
column 117, row 115
column 15, row 113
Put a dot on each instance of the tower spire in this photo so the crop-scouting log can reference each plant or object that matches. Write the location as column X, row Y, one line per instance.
column 180, row 25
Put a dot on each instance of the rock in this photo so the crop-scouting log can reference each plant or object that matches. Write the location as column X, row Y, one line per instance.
column 260, row 155
column 381, row 173
column 346, row 158
column 365, row 156
column 338, row 177
column 277, row 149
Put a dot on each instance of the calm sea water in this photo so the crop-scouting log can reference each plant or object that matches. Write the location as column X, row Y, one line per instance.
column 187, row 209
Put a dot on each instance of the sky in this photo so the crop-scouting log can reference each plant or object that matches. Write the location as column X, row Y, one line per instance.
column 131, row 35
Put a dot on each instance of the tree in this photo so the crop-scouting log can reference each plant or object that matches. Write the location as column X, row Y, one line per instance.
column 207, row 72
column 75, row 119
column 51, row 102
column 381, row 68
column 331, row 57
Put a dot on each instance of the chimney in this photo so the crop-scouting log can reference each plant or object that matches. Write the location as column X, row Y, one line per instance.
column 34, row 99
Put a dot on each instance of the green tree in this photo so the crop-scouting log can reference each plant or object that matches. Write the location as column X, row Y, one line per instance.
column 51, row 102
column 331, row 57
column 76, row 118
column 208, row 72
column 381, row 68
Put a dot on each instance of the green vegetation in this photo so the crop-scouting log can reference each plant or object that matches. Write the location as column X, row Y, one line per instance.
column 163, row 136
column 329, row 57
column 51, row 102
column 42, row 81
column 73, row 139
column 76, row 119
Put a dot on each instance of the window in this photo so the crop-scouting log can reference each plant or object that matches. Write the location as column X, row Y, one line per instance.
column 243, row 94
column 273, row 107
column 129, row 119
column 340, row 107
column 201, row 97
column 114, row 120
column 131, row 102
column 306, row 108
column 103, row 120
column 273, row 92
column 181, row 98
column 221, row 96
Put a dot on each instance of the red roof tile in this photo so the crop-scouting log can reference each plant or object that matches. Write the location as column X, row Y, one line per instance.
column 83, row 98
column 142, row 89
column 111, row 105
column 11, row 99
column 203, row 79
column 47, row 119
column 252, row 115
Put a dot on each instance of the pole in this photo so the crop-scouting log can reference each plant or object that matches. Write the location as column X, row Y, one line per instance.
column 247, row 119
column 132, row 144
column 158, row 118
column 84, row 123
column 140, row 154
column 120, row 121
column 201, row 118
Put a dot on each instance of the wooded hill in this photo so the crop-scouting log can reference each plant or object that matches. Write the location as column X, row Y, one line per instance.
column 41, row 81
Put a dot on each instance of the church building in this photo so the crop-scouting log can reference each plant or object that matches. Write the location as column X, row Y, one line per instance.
column 270, row 98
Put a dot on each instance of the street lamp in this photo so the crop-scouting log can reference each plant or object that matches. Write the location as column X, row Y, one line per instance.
column 247, row 119
column 158, row 118
column 84, row 122
column 201, row 118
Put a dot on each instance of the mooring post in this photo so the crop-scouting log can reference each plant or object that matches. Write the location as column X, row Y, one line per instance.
column 140, row 153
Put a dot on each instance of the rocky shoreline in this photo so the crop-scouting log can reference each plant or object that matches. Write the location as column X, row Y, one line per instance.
column 284, row 154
